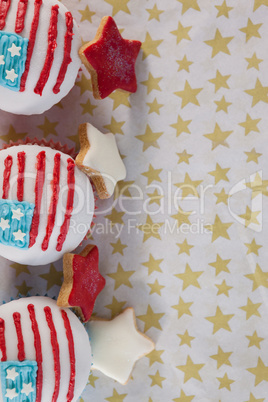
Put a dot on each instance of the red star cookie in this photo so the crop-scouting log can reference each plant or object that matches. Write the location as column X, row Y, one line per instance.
column 82, row 281
column 110, row 60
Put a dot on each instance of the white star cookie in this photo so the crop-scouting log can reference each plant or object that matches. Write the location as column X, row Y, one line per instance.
column 12, row 374
column 11, row 393
column 19, row 235
column 14, row 50
column 100, row 160
column 4, row 224
column 11, row 75
column 2, row 60
column 117, row 345
column 27, row 389
column 16, row 214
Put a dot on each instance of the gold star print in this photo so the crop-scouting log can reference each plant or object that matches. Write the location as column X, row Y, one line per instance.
column 220, row 265
column 157, row 379
column 223, row 10
column 23, row 289
column 253, row 247
column 223, row 288
column 149, row 138
column 152, row 83
column 151, row 319
column 259, row 93
column 189, row 186
column 251, row 30
column 220, row 81
column 250, row 125
column 219, row 43
column 154, row 106
column 184, row 64
column 260, row 372
column 191, row 370
column 115, row 127
column 88, row 107
column 154, row 13
column 12, row 135
column 220, row 320
column 152, row 174
column 251, row 309
column 253, row 156
column 149, row 46
column 120, row 98
column 189, row 277
column 48, row 128
column 116, row 397
column 219, row 173
column 253, row 62
column 250, row 217
column 184, row 398
column 116, row 307
column 20, row 269
column 225, row 382
column 222, row 105
column 259, row 3
column 53, row 277
column 155, row 197
column 218, row 137
column 84, row 84
column 186, row 339
column 183, row 308
column 184, row 157
column 122, row 189
column 181, row 126
column 182, row 217
column 222, row 197
column 222, row 358
column 188, row 95
column 258, row 186
column 155, row 288
column 153, row 265
column 150, row 229
column 187, row 4
column 219, row 229
column 181, row 33
column 119, row 5
column 91, row 380
column 118, row 247
column 115, row 217
column 253, row 399
column 121, row 277
column 86, row 14
column 185, row 247
column 254, row 340
column 258, row 278
column 155, row 357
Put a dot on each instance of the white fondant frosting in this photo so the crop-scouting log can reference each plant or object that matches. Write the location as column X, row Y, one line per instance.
column 28, row 102
column 117, row 345
column 81, row 216
column 103, row 156
column 81, row 346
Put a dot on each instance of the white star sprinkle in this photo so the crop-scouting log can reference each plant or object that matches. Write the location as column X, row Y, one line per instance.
column 2, row 60
column 4, row 224
column 11, row 393
column 27, row 389
column 12, row 374
column 17, row 214
column 19, row 235
column 11, row 75
column 14, row 50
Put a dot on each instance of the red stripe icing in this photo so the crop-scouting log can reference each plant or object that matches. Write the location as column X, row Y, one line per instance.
column 69, row 204
column 21, row 351
column 8, row 162
column 52, row 44
column 56, row 352
column 69, row 335
column 67, row 52
column 38, row 352
column 54, row 201
column 4, row 7
column 21, row 12
column 39, row 185
column 3, row 340
column 20, row 180
column 31, row 43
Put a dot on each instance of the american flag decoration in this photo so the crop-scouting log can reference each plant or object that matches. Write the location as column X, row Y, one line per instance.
column 16, row 50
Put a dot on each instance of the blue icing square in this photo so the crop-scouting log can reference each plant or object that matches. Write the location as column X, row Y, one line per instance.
column 15, row 223
column 18, row 381
column 12, row 59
